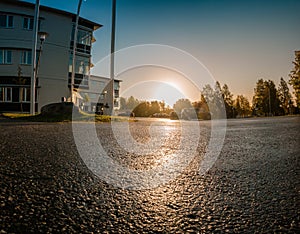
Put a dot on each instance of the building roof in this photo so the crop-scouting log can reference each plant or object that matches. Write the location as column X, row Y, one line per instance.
column 84, row 21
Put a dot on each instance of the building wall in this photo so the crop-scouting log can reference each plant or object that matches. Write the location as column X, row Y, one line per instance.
column 53, row 70
column 54, row 59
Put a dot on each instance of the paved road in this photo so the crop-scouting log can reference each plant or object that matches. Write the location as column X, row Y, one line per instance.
column 252, row 187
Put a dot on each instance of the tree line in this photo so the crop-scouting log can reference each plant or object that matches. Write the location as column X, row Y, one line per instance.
column 218, row 101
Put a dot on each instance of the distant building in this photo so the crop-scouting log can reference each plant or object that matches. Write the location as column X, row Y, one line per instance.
column 54, row 56
column 96, row 98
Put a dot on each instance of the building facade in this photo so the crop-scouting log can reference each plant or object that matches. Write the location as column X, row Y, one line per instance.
column 54, row 55
column 97, row 98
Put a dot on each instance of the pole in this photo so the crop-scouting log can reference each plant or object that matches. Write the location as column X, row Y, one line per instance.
column 112, row 53
column 74, row 49
column 33, row 59
column 39, row 57
column 270, row 111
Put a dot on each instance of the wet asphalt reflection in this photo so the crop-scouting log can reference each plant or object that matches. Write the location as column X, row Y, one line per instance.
column 252, row 187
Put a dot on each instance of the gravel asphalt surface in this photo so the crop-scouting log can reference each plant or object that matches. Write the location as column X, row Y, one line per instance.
column 253, row 187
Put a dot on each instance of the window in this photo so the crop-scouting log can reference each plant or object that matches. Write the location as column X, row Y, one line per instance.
column 83, row 36
column 25, row 94
column 116, row 85
column 5, row 94
column 82, row 64
column 6, row 21
column 26, row 57
column 5, row 56
column 28, row 23
column 116, row 93
column 84, row 40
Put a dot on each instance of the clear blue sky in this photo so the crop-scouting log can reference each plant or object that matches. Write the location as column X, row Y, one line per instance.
column 239, row 41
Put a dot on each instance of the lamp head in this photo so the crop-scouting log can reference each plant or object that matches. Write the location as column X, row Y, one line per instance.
column 43, row 36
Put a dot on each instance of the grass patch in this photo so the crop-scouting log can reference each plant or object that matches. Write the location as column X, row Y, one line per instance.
column 15, row 115
column 84, row 117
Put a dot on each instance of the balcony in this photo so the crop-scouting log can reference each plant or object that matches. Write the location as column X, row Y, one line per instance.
column 80, row 81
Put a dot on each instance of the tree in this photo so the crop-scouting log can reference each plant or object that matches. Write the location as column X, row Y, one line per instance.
column 265, row 100
column 242, row 106
column 142, row 110
column 284, row 96
column 258, row 98
column 295, row 78
column 208, row 93
column 214, row 100
column 182, row 104
column 123, row 103
column 228, row 101
column 132, row 103
column 202, row 108
column 271, row 99
column 154, row 107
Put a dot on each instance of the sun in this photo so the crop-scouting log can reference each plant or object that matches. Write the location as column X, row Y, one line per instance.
column 156, row 83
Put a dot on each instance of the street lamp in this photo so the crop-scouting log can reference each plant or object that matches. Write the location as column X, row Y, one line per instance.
column 74, row 49
column 112, row 54
column 42, row 36
column 33, row 60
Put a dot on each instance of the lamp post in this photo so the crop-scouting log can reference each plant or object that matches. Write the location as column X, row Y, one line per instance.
column 42, row 36
column 112, row 55
column 74, row 49
column 33, row 60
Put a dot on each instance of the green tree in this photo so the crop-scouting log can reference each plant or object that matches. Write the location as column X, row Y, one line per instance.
column 242, row 106
column 258, row 98
column 132, row 103
column 214, row 100
column 265, row 100
column 142, row 109
column 284, row 96
column 295, row 78
column 208, row 93
column 202, row 108
column 154, row 107
column 123, row 105
column 272, row 102
column 228, row 101
column 182, row 104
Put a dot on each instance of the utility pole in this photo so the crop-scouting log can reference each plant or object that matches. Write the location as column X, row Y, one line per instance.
column 112, row 55
column 74, row 49
column 33, row 60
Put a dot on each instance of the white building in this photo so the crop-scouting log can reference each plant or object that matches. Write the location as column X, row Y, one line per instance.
column 54, row 55
column 97, row 98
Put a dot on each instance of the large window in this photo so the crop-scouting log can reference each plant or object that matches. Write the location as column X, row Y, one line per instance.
column 6, row 21
column 26, row 57
column 82, row 65
column 5, row 94
column 28, row 23
column 84, row 40
column 84, row 37
column 5, row 56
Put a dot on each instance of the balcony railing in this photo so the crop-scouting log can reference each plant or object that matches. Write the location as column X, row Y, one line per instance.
column 80, row 81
